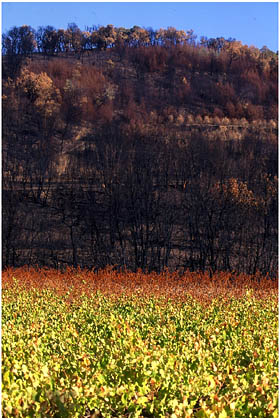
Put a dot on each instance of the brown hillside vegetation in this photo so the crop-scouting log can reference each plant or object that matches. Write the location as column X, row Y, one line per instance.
column 138, row 148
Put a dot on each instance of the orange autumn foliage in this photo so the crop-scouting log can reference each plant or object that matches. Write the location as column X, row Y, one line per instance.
column 174, row 285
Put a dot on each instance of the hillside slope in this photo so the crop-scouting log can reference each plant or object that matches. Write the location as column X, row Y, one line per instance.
column 142, row 156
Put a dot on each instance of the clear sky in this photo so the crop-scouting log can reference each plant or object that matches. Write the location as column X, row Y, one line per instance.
column 253, row 23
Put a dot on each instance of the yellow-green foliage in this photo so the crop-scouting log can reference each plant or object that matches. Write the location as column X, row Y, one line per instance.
column 133, row 356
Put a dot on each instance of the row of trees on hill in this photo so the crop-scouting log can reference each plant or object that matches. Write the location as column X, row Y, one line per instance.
column 48, row 40
column 214, row 77
column 25, row 40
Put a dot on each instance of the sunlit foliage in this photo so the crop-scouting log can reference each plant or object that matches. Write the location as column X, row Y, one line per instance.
column 112, row 344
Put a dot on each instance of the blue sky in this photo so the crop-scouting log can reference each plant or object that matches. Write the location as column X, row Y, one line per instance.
column 253, row 23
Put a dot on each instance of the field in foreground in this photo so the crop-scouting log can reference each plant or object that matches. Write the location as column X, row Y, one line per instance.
column 108, row 344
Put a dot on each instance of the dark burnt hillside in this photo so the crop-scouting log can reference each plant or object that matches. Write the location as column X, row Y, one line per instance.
column 139, row 148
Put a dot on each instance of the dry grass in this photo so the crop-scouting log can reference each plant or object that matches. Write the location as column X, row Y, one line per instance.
column 202, row 286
